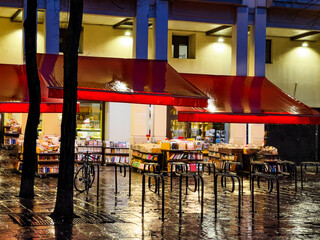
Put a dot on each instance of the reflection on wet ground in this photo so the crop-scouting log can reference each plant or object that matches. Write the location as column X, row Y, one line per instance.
column 299, row 211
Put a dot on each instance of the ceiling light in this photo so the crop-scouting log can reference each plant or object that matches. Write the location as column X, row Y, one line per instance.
column 304, row 44
column 220, row 39
column 127, row 33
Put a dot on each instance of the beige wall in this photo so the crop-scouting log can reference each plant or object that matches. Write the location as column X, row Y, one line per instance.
column 104, row 41
column 41, row 44
column 139, row 123
column 51, row 124
column 292, row 63
column 11, row 44
column 160, row 122
column 211, row 57
column 10, row 41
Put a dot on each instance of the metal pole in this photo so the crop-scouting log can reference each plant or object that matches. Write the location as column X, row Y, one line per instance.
column 295, row 178
column 252, row 194
column 187, row 184
column 202, row 195
column 301, row 176
column 162, row 179
column 116, row 178
column 215, row 195
column 171, row 170
column 98, row 167
column 278, row 198
column 143, row 192
column 239, row 199
column 130, row 180
column 180, row 195
column 316, row 143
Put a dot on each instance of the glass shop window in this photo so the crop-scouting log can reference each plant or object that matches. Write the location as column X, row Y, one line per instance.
column 268, row 51
column 63, row 34
column 180, row 47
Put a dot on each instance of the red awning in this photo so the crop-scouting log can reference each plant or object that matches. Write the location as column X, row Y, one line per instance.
column 237, row 99
column 14, row 96
column 123, row 80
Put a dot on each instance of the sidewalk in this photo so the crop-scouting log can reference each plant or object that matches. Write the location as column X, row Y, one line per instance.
column 119, row 217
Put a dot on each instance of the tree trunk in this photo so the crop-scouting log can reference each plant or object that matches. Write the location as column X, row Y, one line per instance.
column 64, row 201
column 31, row 133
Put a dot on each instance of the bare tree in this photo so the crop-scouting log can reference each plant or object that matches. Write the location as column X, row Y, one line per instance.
column 31, row 133
column 64, row 201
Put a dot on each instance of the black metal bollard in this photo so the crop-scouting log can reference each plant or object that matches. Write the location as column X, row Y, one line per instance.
column 224, row 177
column 143, row 192
column 270, row 188
column 305, row 165
column 124, row 167
column 196, row 177
column 98, row 183
column 157, row 176
column 116, row 178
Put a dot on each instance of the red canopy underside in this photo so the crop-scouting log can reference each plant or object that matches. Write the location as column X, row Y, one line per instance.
column 238, row 118
column 139, row 98
column 123, row 80
column 14, row 96
column 24, row 107
column 239, row 99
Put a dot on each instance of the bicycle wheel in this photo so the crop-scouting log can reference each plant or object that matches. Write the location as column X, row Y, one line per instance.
column 92, row 174
column 81, row 179
column 90, row 178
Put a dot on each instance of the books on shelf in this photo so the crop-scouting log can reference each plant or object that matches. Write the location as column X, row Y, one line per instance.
column 84, row 149
column 116, row 150
column 46, row 169
column 112, row 144
column 48, row 144
column 90, row 143
column 10, row 140
column 94, row 157
column 145, row 156
column 186, row 156
column 19, row 166
column 177, row 144
column 48, row 158
column 147, row 147
column 117, row 159
column 192, row 167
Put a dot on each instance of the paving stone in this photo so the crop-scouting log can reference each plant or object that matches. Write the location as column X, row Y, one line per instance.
column 299, row 211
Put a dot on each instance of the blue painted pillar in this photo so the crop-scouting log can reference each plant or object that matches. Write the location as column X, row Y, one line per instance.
column 140, row 30
column 259, row 41
column 161, row 30
column 52, row 26
column 240, row 43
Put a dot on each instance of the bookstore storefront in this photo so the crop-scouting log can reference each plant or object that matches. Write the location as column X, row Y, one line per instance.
column 148, row 87
column 89, row 124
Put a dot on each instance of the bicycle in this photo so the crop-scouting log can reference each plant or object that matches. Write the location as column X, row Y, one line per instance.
column 85, row 176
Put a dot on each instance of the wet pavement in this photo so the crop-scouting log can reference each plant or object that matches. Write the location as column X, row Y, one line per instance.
column 116, row 216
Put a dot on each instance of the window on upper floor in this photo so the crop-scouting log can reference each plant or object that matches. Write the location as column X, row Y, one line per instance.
column 268, row 51
column 183, row 46
column 62, row 35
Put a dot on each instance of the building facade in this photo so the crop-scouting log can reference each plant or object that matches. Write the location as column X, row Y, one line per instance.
column 277, row 39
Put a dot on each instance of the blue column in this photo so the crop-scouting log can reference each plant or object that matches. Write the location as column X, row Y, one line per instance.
column 161, row 30
column 52, row 26
column 240, row 43
column 259, row 39
column 140, row 30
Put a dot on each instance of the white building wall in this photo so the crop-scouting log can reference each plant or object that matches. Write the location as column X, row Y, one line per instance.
column 119, row 124
column 238, row 132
